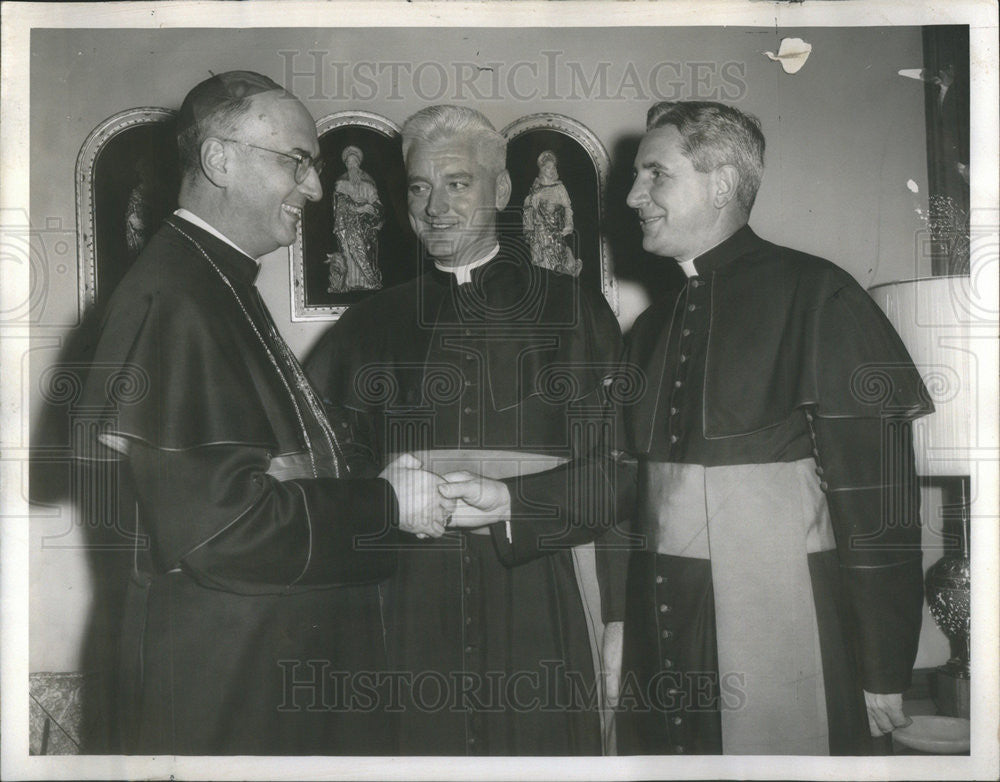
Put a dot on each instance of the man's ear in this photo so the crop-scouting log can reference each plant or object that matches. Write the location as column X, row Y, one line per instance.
column 503, row 189
column 727, row 180
column 215, row 163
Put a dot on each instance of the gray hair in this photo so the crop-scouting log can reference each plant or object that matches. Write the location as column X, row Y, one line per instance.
column 440, row 123
column 715, row 134
column 216, row 106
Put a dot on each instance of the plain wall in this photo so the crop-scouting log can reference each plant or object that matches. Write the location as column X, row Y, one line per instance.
column 844, row 135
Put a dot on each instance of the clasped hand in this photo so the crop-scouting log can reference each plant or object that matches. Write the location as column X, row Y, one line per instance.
column 429, row 503
column 885, row 712
column 479, row 501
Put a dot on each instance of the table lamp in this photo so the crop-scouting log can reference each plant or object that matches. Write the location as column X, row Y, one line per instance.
column 932, row 318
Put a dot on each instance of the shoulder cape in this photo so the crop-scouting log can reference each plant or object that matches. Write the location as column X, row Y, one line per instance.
column 177, row 364
column 788, row 330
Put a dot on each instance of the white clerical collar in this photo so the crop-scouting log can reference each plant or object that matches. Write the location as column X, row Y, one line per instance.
column 687, row 265
column 688, row 268
column 191, row 217
column 463, row 274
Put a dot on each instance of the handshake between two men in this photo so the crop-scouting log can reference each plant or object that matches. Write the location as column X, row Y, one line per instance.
column 430, row 503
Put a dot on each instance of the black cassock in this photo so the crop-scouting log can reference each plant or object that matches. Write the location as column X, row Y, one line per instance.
column 254, row 595
column 781, row 572
column 503, row 375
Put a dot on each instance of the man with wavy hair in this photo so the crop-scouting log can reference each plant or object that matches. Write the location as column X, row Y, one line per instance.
column 485, row 365
column 779, row 590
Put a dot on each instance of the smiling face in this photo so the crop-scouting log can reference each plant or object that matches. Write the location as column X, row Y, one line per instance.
column 676, row 204
column 453, row 200
column 264, row 198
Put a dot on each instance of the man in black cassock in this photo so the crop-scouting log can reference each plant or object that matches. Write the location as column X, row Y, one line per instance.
column 256, row 591
column 779, row 590
column 486, row 365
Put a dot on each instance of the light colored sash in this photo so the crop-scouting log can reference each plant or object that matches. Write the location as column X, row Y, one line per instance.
column 289, row 466
column 495, row 464
column 756, row 523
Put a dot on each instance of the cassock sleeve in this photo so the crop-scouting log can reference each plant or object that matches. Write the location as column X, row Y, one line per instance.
column 557, row 509
column 198, row 441
column 214, row 512
column 874, row 498
column 867, row 469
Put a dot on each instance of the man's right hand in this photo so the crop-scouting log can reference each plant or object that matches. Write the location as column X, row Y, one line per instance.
column 479, row 501
column 422, row 510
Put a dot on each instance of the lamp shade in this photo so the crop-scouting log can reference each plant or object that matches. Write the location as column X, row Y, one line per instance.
column 932, row 318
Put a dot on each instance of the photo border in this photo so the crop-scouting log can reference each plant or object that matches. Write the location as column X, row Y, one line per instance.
column 20, row 18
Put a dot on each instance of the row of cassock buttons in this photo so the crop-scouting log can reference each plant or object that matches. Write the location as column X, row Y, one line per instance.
column 674, row 720
column 472, row 629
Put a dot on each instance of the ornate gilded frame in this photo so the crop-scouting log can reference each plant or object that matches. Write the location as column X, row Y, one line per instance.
column 87, row 218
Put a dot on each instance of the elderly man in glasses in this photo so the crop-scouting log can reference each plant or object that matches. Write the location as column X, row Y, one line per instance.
column 255, row 591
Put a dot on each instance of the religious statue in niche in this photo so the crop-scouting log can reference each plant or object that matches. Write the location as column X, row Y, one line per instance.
column 357, row 218
column 140, row 210
column 548, row 217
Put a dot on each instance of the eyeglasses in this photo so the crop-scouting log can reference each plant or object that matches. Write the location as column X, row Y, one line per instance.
column 303, row 163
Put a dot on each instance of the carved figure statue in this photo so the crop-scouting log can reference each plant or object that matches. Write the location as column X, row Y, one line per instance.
column 548, row 217
column 357, row 217
column 140, row 217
